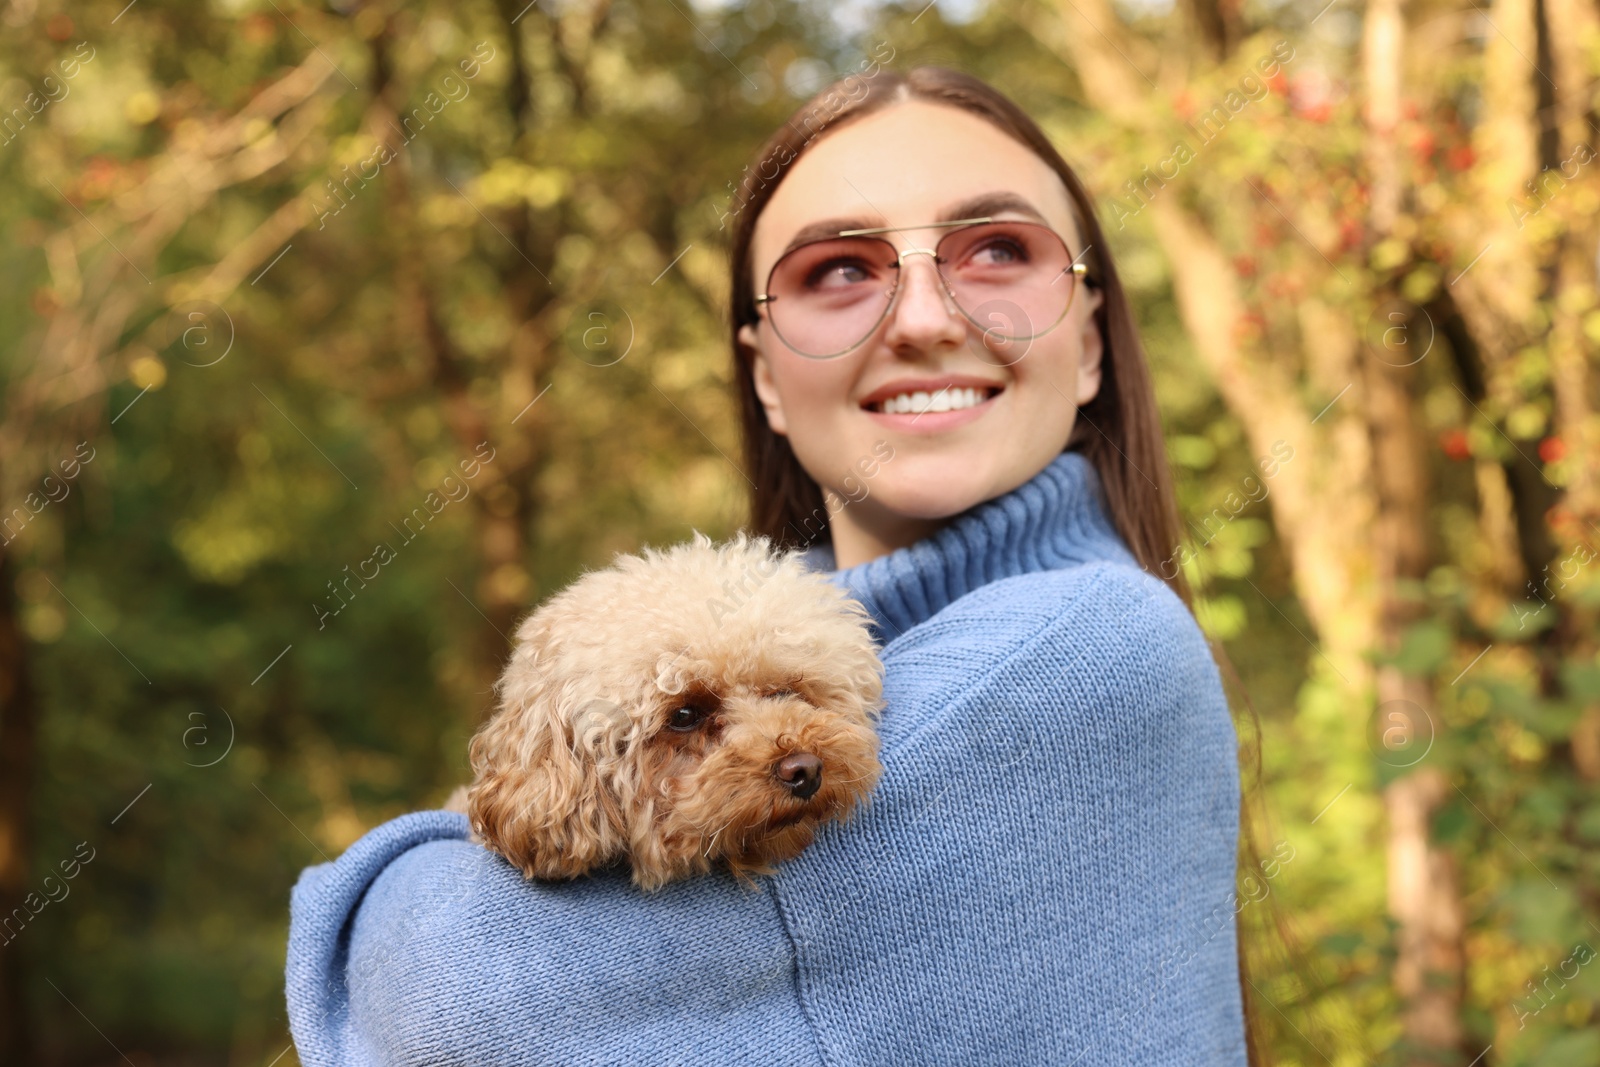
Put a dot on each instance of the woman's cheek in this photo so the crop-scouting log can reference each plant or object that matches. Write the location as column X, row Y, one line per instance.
column 818, row 387
column 816, row 404
column 1045, row 387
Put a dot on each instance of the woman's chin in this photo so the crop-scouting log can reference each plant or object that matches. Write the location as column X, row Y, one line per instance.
column 940, row 494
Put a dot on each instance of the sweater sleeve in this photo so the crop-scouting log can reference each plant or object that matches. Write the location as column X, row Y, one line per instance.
column 321, row 908
column 1046, row 872
column 418, row 948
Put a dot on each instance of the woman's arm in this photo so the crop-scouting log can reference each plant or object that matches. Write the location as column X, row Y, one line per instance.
column 1046, row 870
column 321, row 908
column 417, row 947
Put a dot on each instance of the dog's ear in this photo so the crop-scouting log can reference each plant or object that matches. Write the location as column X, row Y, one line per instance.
column 539, row 797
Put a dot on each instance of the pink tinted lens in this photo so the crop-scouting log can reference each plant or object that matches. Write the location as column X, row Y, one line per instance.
column 828, row 296
column 1013, row 279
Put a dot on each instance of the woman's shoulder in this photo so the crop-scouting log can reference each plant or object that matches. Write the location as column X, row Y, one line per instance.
column 1111, row 616
column 1021, row 604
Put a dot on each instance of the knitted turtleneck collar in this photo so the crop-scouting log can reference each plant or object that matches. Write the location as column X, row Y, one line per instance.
column 1056, row 519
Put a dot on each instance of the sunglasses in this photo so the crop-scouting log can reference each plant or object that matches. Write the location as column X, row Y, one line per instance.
column 1015, row 281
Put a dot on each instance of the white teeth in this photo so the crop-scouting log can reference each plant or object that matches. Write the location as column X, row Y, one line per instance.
column 943, row 400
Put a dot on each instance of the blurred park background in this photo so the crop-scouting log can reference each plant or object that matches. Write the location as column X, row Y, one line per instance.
column 277, row 274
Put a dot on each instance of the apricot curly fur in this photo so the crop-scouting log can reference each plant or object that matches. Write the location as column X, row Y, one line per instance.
column 579, row 768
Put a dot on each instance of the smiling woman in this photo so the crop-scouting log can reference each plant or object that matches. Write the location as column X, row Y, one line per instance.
column 1044, row 872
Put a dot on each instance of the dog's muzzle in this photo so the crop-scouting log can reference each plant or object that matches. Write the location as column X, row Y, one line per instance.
column 800, row 773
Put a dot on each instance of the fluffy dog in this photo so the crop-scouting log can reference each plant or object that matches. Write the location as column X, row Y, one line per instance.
column 679, row 708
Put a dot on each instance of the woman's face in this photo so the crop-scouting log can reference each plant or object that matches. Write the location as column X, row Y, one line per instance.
column 907, row 166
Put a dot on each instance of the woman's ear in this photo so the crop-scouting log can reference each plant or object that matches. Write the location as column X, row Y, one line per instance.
column 761, row 373
column 1092, row 345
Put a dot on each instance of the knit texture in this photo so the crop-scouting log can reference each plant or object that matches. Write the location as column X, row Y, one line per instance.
column 1045, row 873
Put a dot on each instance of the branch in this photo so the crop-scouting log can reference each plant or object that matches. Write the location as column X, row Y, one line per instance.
column 96, row 304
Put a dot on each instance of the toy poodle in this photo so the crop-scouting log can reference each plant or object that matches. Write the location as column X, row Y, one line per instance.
column 683, row 707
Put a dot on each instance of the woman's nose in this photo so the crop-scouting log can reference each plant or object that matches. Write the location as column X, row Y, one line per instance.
column 923, row 315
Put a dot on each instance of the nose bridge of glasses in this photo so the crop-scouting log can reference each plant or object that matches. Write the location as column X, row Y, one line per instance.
column 900, row 261
column 941, row 285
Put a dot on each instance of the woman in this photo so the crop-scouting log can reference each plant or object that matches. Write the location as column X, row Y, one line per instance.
column 944, row 398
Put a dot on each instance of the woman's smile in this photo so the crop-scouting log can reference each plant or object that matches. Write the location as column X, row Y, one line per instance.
column 930, row 405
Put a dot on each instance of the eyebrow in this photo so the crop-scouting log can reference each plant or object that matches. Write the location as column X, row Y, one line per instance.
column 983, row 204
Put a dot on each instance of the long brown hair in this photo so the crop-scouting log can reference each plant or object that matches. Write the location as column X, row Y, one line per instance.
column 1119, row 431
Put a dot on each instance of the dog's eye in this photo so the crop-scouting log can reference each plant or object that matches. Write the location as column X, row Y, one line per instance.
column 778, row 693
column 686, row 718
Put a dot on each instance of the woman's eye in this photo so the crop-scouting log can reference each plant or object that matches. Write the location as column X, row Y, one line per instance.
column 999, row 253
column 686, row 718
column 837, row 273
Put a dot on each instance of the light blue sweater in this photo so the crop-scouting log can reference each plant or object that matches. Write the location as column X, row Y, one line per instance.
column 1045, row 874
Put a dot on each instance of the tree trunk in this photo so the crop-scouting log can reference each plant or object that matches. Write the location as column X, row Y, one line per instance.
column 1424, row 897
column 1425, row 900
column 505, row 501
column 1563, row 28
column 18, row 727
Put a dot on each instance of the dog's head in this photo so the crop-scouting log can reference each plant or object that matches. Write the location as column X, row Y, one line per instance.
column 682, row 707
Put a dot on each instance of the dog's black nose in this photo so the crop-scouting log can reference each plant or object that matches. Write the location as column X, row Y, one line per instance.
column 801, row 773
